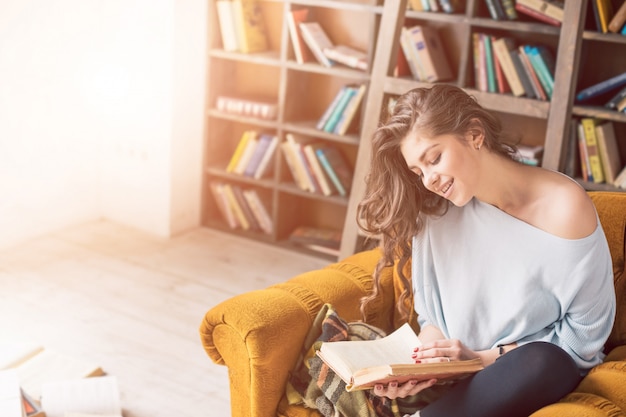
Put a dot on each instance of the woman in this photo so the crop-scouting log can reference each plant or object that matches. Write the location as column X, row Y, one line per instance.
column 509, row 262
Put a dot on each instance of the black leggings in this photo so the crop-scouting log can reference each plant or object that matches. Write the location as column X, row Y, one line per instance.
column 517, row 384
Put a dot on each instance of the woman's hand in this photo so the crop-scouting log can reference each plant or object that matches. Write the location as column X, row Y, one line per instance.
column 444, row 350
column 393, row 390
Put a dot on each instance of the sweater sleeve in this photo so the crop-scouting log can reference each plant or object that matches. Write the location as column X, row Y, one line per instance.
column 588, row 309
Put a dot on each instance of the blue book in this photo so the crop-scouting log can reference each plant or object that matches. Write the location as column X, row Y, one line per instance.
column 336, row 167
column 542, row 62
column 338, row 111
column 601, row 87
column 329, row 110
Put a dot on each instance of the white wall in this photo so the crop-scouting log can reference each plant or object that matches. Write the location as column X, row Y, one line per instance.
column 100, row 114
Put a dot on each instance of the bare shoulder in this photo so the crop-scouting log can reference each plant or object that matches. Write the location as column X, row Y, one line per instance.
column 568, row 211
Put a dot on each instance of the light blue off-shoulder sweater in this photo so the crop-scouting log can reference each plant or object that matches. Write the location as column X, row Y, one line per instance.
column 487, row 278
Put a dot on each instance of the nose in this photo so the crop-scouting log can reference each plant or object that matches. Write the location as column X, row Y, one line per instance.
column 430, row 178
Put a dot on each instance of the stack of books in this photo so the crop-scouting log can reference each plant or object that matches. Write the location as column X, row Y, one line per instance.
column 253, row 155
column 311, row 42
column 316, row 166
column 321, row 240
column 425, row 54
column 502, row 67
column 261, row 108
column 599, row 154
column 242, row 208
column 242, row 26
column 341, row 112
column 446, row 6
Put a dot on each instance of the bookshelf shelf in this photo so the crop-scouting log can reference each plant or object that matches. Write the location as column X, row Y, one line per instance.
column 302, row 92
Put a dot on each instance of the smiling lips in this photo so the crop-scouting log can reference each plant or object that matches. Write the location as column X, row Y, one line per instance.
column 444, row 190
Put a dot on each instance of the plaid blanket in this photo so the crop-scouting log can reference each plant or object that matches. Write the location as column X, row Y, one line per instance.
column 314, row 385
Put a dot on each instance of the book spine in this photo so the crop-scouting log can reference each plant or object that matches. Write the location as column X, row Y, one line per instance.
column 503, row 85
column 491, row 77
column 604, row 9
column 331, row 173
column 431, row 53
column 245, row 207
column 410, row 54
column 550, row 8
column 234, row 160
column 541, row 70
column 258, row 154
column 618, row 20
column 292, row 164
column 249, row 21
column 316, row 39
column 609, row 151
column 584, row 157
column 223, row 204
column 267, row 158
column 521, row 72
column 601, row 87
column 226, row 20
column 495, row 9
column 480, row 72
column 309, row 152
column 536, row 15
column 589, row 128
column 294, row 18
column 509, row 9
column 246, row 154
column 502, row 48
column 338, row 111
column 612, row 103
column 350, row 111
column 260, row 212
column 534, row 81
column 331, row 107
column 237, row 209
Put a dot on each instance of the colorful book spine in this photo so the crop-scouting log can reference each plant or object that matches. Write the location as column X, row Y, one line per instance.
column 339, row 109
column 350, row 111
column 331, row 107
column 241, row 146
column 601, row 87
column 589, row 128
column 336, row 168
column 300, row 50
column 260, row 149
column 267, row 158
column 317, row 40
column 491, row 75
column 618, row 19
column 536, row 15
column 250, row 25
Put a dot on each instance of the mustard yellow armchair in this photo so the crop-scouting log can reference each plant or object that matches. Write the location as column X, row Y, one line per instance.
column 258, row 335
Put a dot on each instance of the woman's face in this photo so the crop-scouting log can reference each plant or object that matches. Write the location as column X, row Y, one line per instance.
column 446, row 164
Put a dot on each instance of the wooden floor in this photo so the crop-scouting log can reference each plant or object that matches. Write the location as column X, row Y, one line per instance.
column 133, row 303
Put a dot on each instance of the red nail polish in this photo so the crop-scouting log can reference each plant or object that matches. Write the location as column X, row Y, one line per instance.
column 416, row 349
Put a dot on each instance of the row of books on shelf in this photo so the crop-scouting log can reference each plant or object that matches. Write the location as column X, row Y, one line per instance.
column 253, row 154
column 241, row 26
column 260, row 108
column 610, row 16
column 424, row 54
column 242, row 208
column 340, row 113
column 610, row 92
column 317, row 166
column 598, row 152
column 325, row 240
column 546, row 11
column 445, row 6
column 501, row 66
column 311, row 43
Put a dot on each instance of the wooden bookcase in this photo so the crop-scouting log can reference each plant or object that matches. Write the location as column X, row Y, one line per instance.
column 302, row 92
column 583, row 58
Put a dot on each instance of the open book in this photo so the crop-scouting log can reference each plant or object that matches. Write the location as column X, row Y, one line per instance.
column 363, row 363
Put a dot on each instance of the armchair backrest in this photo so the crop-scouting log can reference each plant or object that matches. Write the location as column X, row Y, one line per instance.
column 611, row 208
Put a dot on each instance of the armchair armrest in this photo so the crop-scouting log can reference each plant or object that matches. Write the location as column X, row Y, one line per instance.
column 258, row 335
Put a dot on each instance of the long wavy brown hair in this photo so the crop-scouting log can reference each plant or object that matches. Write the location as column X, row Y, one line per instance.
column 395, row 199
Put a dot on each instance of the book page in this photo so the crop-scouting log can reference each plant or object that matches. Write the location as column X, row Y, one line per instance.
column 98, row 395
column 346, row 357
column 48, row 366
column 10, row 399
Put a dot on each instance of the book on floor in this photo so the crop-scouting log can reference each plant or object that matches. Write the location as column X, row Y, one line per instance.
column 36, row 365
column 364, row 363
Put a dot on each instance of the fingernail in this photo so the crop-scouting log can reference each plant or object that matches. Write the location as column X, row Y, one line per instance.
column 416, row 349
column 418, row 361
